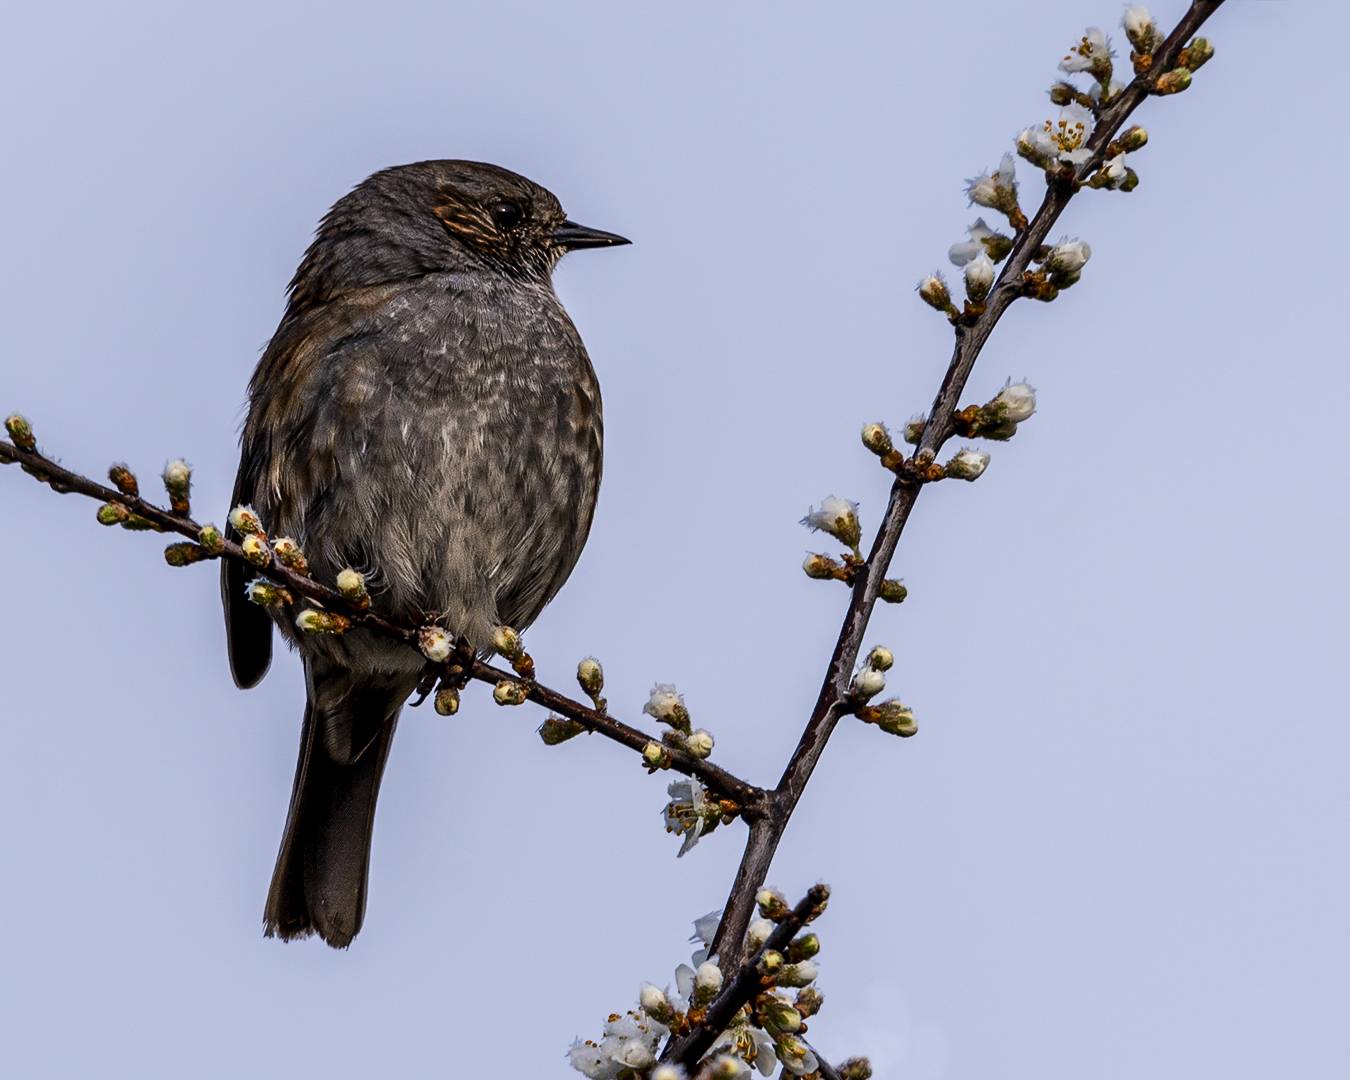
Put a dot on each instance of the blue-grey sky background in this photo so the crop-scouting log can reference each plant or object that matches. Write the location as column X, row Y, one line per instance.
column 1117, row 847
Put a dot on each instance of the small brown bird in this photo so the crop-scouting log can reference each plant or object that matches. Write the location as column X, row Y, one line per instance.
column 426, row 414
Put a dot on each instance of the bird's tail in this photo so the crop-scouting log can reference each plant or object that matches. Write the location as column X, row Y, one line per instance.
column 319, row 885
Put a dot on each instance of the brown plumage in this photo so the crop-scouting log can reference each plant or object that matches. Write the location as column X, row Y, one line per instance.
column 426, row 414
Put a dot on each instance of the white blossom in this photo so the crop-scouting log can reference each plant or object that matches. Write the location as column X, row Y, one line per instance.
column 688, row 811
column 587, row 1059
column 756, row 934
column 666, row 705
column 962, row 253
column 707, row 979
column 796, row 1056
column 998, row 190
column 1114, row 171
column 1092, row 54
column 434, row 642
column 751, row 1045
column 967, row 464
column 1064, row 139
column 869, row 682
column 1069, row 256
column 653, row 1000
column 979, row 277
column 1140, row 28
column 839, row 518
column 706, row 927
column 1018, row 401
column 684, row 981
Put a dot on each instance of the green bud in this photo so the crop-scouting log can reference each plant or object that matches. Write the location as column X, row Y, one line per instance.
column 268, row 593
column 773, row 905
column 771, row 963
column 855, row 1068
column 246, row 521
column 112, row 514
column 892, row 591
column 211, row 540
column 177, row 479
column 184, row 554
column 290, row 556
column 556, row 730
column 256, row 550
column 809, row 1001
column 314, row 621
column 21, row 431
column 1196, row 55
column 507, row 642
column 591, row 677
column 1174, row 82
column 823, row 568
column 803, row 948
column 124, row 480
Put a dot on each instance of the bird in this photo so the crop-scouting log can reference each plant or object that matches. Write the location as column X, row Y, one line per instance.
column 426, row 415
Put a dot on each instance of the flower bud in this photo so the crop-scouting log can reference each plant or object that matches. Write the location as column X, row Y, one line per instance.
column 352, row 585
column 1130, row 140
column 210, row 538
column 771, row 963
column 123, row 479
column 803, row 948
column 177, row 479
column 967, row 465
column 268, row 593
column 556, row 730
column 655, row 1003
column 855, row 1068
column 979, row 277
column 136, row 523
column 773, row 905
column 1063, row 93
column 314, row 621
column 822, row 567
column 699, row 743
column 290, row 556
column 666, row 706
column 780, row 1016
column 866, row 684
column 799, row 974
column 246, row 522
column 655, row 756
column 756, row 934
column 446, row 701
column 880, row 658
column 893, row 717
column 256, row 550
column 112, row 514
column 809, row 1001
column 507, row 642
column 1195, row 55
column 727, row 1067
column 1067, row 258
column 707, row 981
column 434, row 643
column 1141, row 30
column 892, row 591
column 1015, row 403
column 21, row 431
column 839, row 518
column 877, row 439
column 668, row 1072
column 184, row 554
column 509, row 692
column 591, row 677
column 914, row 429
column 1174, row 82
column 933, row 291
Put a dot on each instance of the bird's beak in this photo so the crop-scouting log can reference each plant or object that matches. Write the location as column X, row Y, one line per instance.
column 570, row 237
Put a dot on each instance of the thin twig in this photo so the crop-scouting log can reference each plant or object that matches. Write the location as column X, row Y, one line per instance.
column 750, row 800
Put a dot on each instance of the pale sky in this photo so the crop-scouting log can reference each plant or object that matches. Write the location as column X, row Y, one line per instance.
column 1117, row 847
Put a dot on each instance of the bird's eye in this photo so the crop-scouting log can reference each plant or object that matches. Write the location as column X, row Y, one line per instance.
column 506, row 214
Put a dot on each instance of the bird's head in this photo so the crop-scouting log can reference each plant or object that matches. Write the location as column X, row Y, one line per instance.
column 434, row 216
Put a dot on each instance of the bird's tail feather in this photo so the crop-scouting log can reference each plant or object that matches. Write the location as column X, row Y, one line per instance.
column 319, row 885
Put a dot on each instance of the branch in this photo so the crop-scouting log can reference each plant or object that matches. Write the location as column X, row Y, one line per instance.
column 832, row 702
column 750, row 800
